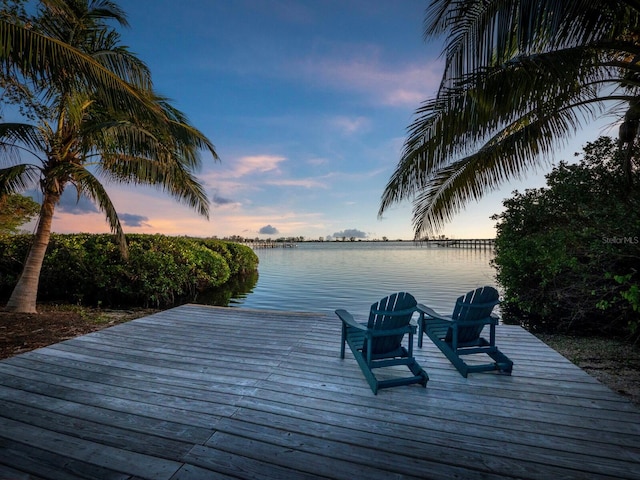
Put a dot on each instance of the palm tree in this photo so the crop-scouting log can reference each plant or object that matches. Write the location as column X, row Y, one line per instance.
column 123, row 132
column 520, row 77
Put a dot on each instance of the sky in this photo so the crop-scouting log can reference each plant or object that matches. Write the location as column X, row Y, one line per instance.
column 307, row 103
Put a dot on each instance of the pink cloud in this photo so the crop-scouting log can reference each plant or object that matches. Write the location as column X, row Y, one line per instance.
column 400, row 85
column 254, row 164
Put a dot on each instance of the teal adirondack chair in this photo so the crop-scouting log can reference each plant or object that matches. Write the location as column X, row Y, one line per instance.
column 378, row 343
column 461, row 333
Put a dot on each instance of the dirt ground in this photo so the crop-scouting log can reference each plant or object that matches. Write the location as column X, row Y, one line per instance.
column 612, row 362
column 21, row 333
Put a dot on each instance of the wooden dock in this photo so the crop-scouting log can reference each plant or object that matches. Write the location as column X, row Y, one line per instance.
column 475, row 243
column 260, row 245
column 200, row 392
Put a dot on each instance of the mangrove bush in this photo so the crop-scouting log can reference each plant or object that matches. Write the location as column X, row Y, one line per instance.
column 161, row 271
column 568, row 255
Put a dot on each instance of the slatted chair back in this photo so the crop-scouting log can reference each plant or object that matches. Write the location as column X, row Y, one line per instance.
column 475, row 305
column 394, row 311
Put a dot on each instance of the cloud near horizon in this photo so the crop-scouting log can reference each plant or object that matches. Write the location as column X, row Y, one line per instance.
column 350, row 232
column 268, row 230
column 133, row 220
column 217, row 200
column 70, row 203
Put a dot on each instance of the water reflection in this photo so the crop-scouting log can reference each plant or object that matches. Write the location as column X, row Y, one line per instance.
column 320, row 277
column 232, row 292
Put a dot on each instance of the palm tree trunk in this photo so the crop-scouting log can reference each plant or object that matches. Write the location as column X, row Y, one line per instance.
column 25, row 294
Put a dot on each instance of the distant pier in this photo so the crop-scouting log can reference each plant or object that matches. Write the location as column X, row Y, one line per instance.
column 256, row 245
column 479, row 243
column 471, row 243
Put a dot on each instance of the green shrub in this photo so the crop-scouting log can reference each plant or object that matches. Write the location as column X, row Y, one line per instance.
column 241, row 259
column 244, row 258
column 65, row 268
column 217, row 246
column 13, row 252
column 568, row 255
column 88, row 269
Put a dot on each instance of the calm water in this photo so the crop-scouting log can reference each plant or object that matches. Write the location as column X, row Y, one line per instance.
column 320, row 277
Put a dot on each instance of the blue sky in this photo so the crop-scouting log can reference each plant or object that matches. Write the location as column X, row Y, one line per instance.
column 307, row 103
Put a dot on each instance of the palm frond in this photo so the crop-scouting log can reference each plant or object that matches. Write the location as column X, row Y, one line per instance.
column 16, row 136
column 512, row 92
column 18, row 178
column 126, row 66
column 42, row 58
column 88, row 185
column 171, row 177
column 461, row 120
column 481, row 33
column 510, row 154
column 187, row 138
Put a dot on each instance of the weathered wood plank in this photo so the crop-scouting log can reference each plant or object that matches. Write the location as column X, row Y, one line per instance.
column 293, row 456
column 191, row 472
column 439, row 422
column 131, row 406
column 195, row 372
column 152, row 384
column 117, row 418
column 150, row 396
column 59, row 362
column 240, row 465
column 96, row 430
column 209, row 392
column 397, row 454
column 92, row 453
column 35, row 463
column 351, row 451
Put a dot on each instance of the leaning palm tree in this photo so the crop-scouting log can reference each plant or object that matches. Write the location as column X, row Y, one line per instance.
column 520, row 77
column 81, row 136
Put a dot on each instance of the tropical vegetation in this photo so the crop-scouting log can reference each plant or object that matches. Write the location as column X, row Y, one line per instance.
column 520, row 77
column 15, row 211
column 568, row 255
column 90, row 115
column 160, row 271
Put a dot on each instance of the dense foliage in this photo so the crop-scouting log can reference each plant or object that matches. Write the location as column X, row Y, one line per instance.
column 15, row 211
column 568, row 255
column 159, row 272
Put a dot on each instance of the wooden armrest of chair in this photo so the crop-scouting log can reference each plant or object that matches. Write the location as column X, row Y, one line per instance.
column 348, row 319
column 427, row 313
column 430, row 312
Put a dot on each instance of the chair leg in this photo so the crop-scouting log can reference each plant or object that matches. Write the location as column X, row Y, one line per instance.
column 418, row 371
